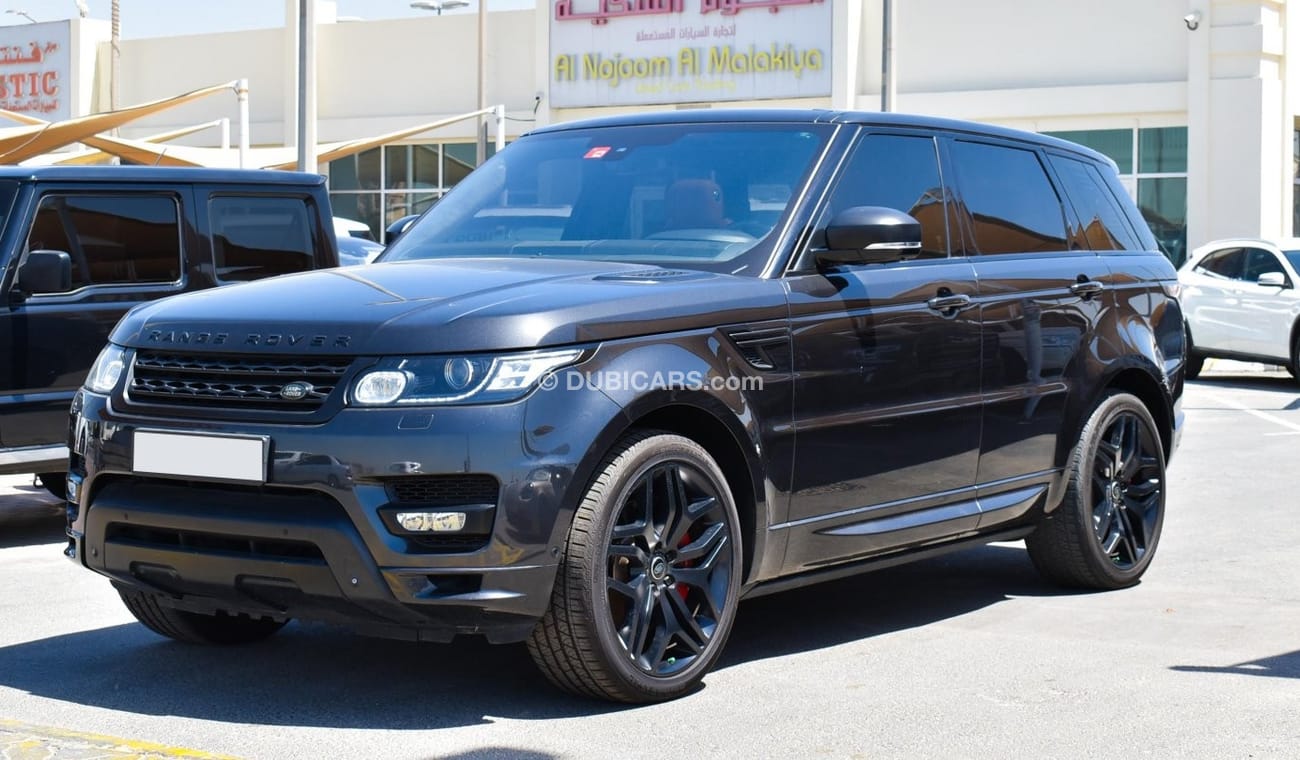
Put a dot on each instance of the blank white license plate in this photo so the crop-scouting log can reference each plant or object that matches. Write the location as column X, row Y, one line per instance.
column 200, row 456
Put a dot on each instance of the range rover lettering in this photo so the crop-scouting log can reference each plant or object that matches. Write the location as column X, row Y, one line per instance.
column 634, row 370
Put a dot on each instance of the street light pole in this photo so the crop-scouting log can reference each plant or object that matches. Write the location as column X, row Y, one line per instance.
column 480, row 153
column 307, row 86
column 888, row 82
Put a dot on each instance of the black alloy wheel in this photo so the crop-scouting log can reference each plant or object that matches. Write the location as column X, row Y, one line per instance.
column 1127, row 490
column 648, row 582
column 1104, row 533
column 669, row 564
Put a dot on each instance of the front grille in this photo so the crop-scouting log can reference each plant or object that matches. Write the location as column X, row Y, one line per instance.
column 234, row 382
column 444, row 490
column 253, row 548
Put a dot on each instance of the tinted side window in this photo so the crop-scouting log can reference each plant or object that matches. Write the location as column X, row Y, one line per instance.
column 255, row 237
column 1227, row 264
column 1104, row 226
column 112, row 239
column 1259, row 261
column 1011, row 203
column 899, row 172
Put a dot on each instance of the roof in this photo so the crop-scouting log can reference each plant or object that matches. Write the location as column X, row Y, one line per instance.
column 822, row 116
column 156, row 174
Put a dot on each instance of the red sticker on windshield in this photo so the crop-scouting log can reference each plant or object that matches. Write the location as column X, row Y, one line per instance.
column 597, row 152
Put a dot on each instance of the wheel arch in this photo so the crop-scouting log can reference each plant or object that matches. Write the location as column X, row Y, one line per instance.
column 721, row 442
column 1149, row 391
column 708, row 422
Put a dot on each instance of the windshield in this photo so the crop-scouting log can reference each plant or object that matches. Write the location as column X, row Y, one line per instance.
column 1294, row 258
column 700, row 196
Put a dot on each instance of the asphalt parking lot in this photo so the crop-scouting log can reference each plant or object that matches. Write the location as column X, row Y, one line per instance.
column 964, row 656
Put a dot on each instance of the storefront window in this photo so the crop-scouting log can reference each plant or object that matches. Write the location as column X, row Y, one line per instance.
column 1115, row 144
column 382, row 185
column 1162, row 150
column 1163, row 203
column 1295, row 189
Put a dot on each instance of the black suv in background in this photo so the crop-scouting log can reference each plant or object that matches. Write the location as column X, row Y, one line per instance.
column 81, row 246
column 635, row 369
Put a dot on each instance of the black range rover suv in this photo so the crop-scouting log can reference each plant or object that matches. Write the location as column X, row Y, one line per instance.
column 633, row 370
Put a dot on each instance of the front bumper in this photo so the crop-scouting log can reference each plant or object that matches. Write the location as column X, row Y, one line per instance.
column 312, row 542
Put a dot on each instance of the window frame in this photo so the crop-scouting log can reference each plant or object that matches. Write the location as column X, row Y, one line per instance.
column 182, row 249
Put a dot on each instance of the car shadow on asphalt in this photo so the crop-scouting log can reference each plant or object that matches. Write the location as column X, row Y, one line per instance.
column 317, row 676
column 30, row 519
column 1281, row 666
column 884, row 601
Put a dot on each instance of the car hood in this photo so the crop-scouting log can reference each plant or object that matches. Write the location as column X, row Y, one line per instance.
column 450, row 305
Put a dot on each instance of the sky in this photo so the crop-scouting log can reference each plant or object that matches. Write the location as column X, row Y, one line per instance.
column 161, row 18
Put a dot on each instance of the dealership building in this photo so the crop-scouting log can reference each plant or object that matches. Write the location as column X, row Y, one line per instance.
column 1196, row 101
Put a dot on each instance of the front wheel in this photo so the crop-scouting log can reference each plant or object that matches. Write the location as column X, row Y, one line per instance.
column 195, row 628
column 649, row 579
column 1104, row 533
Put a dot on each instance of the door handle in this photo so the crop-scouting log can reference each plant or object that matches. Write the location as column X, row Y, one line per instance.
column 949, row 303
column 1086, row 289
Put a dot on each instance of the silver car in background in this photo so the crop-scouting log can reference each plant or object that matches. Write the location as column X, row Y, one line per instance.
column 1241, row 300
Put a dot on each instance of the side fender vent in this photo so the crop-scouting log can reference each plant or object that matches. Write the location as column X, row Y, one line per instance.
column 765, row 348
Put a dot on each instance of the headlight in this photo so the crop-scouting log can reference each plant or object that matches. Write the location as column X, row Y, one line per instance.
column 107, row 369
column 457, row 379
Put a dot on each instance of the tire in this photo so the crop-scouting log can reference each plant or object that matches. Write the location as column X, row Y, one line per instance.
column 1294, row 366
column 682, row 574
column 1087, row 542
column 55, row 482
column 1195, row 361
column 195, row 628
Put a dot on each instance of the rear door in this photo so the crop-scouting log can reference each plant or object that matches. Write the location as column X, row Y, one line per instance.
column 1041, row 294
column 126, row 246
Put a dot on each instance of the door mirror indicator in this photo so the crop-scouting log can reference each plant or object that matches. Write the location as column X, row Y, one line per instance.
column 45, row 272
column 869, row 235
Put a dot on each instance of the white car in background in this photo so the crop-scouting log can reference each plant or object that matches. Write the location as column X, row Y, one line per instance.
column 1241, row 300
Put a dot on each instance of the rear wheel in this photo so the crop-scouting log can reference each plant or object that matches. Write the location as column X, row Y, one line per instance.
column 195, row 628
column 1105, row 532
column 55, row 482
column 650, row 576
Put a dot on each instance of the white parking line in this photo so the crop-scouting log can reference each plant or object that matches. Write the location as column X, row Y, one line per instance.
column 1255, row 412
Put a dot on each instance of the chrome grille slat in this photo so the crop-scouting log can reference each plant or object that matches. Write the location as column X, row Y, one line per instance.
column 233, row 382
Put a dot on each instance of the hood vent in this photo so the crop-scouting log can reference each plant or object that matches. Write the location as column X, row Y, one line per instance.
column 650, row 275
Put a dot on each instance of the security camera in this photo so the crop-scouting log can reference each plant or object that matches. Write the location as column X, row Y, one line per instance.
column 1193, row 20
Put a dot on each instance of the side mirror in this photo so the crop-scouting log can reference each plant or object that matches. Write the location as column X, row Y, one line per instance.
column 45, row 272
column 869, row 235
column 1272, row 280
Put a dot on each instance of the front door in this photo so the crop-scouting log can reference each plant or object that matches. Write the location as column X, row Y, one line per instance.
column 886, row 375
column 125, row 248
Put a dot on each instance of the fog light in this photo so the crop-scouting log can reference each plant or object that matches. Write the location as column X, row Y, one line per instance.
column 73, row 488
column 431, row 522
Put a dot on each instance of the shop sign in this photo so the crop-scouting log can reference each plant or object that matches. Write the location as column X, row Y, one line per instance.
column 35, row 60
column 634, row 52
